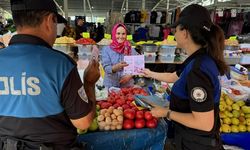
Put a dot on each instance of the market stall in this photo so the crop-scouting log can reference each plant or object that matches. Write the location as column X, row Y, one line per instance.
column 135, row 139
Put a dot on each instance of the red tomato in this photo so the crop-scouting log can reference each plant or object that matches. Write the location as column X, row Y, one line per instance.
column 120, row 101
column 148, row 115
column 139, row 115
column 125, row 106
column 130, row 98
column 129, row 113
column 128, row 124
column 151, row 124
column 116, row 105
column 140, row 123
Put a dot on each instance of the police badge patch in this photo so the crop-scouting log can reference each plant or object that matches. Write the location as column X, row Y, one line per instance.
column 82, row 94
column 199, row 94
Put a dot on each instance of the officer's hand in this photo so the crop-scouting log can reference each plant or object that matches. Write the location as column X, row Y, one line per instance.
column 158, row 111
column 92, row 73
column 125, row 79
column 147, row 73
column 119, row 66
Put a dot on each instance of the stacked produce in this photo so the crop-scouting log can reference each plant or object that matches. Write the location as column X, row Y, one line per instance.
column 85, row 41
column 234, row 115
column 64, row 40
column 132, row 116
column 110, row 119
column 120, row 112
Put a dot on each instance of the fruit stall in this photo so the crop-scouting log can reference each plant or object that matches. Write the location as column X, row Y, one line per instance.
column 235, row 115
column 121, row 124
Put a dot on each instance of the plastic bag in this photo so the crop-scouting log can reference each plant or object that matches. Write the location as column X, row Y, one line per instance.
column 235, row 90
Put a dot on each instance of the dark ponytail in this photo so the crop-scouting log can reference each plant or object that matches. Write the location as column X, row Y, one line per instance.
column 213, row 40
column 215, row 46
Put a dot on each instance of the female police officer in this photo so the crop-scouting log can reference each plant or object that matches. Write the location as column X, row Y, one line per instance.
column 195, row 94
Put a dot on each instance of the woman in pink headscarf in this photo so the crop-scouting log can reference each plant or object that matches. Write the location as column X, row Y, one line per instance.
column 112, row 59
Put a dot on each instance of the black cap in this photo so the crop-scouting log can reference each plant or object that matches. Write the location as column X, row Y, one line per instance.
column 194, row 16
column 48, row 5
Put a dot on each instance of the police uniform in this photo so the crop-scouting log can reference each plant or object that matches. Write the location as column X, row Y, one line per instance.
column 40, row 91
column 198, row 89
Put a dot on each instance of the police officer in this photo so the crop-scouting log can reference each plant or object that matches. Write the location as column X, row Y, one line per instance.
column 195, row 95
column 43, row 100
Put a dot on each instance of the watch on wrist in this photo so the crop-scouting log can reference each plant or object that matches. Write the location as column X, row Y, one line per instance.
column 168, row 115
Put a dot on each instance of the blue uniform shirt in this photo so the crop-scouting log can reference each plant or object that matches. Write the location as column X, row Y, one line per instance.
column 39, row 92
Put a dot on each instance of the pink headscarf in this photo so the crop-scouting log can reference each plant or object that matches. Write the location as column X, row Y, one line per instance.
column 123, row 48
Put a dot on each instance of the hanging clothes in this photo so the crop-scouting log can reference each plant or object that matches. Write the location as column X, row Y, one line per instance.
column 159, row 15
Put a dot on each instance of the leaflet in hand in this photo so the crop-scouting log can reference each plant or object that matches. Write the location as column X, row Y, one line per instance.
column 95, row 53
column 135, row 63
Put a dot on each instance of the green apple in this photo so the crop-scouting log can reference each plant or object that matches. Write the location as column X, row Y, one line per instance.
column 236, row 113
column 226, row 128
column 248, row 128
column 246, row 109
column 235, row 128
column 242, row 128
column 240, row 103
column 93, row 126
column 248, row 121
column 79, row 131
column 227, row 121
column 236, row 107
column 235, row 121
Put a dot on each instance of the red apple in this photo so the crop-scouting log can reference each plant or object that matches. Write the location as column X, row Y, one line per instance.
column 148, row 115
column 139, row 115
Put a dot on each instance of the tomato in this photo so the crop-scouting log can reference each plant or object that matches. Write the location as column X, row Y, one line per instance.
column 111, row 100
column 105, row 105
column 120, row 101
column 128, row 124
column 130, row 98
column 129, row 113
column 140, row 123
column 148, row 115
column 151, row 123
column 139, row 115
column 116, row 105
column 125, row 106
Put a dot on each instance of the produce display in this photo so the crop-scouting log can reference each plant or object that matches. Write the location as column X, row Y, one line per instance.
column 85, row 41
column 64, row 40
column 234, row 115
column 119, row 111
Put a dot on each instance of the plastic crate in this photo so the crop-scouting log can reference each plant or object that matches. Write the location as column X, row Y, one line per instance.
column 166, row 58
column 62, row 47
column 149, row 57
column 84, row 49
column 167, row 50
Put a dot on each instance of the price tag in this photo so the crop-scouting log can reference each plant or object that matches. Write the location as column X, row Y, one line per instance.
column 170, row 38
column 107, row 36
column 129, row 37
column 232, row 38
column 85, row 35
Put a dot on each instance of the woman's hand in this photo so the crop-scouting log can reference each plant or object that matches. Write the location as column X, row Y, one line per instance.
column 119, row 66
column 147, row 73
column 158, row 111
column 125, row 79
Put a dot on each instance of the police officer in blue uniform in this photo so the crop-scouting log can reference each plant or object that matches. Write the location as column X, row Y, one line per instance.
column 194, row 99
column 43, row 100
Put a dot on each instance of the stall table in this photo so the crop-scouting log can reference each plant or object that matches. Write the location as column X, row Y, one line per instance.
column 134, row 139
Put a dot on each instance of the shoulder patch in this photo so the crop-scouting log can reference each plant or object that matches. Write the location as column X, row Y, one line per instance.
column 82, row 94
column 198, row 94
